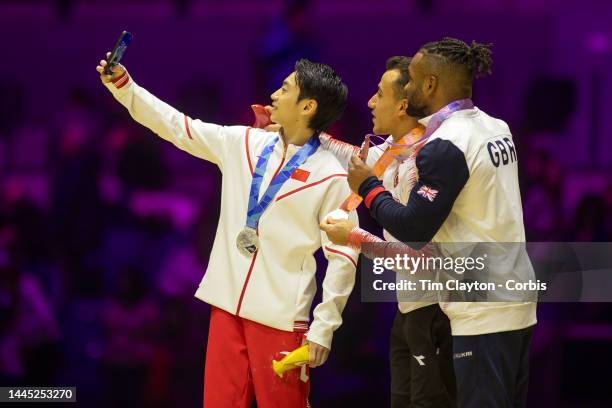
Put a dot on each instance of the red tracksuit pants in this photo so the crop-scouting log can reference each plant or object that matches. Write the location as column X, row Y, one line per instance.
column 239, row 365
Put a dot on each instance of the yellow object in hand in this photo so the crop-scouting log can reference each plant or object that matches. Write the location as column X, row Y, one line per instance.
column 295, row 359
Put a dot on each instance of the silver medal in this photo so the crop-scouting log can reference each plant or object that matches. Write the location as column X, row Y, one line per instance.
column 247, row 242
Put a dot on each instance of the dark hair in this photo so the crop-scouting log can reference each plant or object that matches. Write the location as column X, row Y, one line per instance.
column 399, row 63
column 321, row 83
column 476, row 58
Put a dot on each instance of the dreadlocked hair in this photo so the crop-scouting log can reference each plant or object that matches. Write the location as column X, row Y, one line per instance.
column 476, row 58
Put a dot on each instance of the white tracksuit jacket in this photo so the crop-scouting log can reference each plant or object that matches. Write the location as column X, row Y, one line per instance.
column 277, row 285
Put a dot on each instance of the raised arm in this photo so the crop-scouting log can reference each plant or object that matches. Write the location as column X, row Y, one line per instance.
column 204, row 140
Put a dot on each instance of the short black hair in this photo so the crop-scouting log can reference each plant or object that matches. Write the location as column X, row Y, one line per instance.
column 399, row 63
column 321, row 83
column 475, row 58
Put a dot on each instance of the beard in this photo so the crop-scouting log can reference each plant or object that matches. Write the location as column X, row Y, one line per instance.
column 416, row 110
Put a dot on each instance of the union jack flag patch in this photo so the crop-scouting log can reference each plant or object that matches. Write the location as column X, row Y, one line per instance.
column 427, row 192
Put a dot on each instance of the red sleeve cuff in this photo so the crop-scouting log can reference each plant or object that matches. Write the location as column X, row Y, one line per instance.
column 121, row 81
column 354, row 239
column 372, row 195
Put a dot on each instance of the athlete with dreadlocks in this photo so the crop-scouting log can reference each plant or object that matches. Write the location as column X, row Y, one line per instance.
column 467, row 192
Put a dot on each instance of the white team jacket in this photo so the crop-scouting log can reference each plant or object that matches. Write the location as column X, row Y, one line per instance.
column 488, row 209
column 277, row 285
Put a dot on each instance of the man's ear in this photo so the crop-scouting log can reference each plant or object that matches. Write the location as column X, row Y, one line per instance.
column 430, row 84
column 402, row 106
column 310, row 107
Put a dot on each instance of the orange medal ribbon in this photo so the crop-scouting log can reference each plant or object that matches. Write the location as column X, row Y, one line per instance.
column 401, row 147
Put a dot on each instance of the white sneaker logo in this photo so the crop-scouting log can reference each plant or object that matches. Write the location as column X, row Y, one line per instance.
column 420, row 359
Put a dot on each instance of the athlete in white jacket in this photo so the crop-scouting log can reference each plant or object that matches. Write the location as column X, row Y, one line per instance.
column 277, row 187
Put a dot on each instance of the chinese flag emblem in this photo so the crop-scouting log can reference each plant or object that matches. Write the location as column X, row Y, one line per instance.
column 300, row 175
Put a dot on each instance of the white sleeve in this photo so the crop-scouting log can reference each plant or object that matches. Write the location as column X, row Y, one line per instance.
column 344, row 151
column 204, row 140
column 339, row 276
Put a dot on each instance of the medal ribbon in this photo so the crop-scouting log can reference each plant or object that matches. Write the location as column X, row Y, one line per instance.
column 391, row 153
column 440, row 116
column 402, row 150
column 257, row 207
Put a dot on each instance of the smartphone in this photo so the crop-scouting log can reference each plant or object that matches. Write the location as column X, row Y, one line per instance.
column 124, row 40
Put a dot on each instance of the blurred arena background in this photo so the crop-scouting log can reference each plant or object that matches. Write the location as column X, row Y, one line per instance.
column 105, row 229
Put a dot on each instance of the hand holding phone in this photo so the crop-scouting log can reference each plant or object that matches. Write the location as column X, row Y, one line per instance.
column 117, row 53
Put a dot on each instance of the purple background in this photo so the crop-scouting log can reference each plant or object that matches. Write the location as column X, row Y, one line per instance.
column 105, row 229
